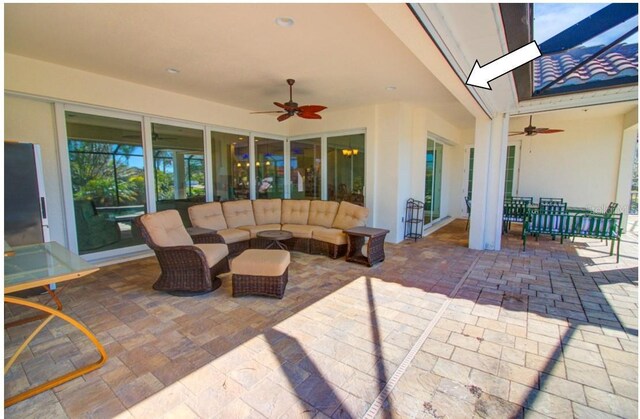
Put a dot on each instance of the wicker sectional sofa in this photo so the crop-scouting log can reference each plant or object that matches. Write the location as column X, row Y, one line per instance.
column 317, row 226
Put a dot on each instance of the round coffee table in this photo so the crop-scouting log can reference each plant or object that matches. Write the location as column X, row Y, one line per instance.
column 275, row 237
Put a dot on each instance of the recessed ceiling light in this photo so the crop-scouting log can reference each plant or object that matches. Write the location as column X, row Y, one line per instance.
column 391, row 88
column 285, row 22
column 172, row 70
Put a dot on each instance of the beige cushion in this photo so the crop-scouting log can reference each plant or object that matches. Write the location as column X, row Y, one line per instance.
column 260, row 262
column 330, row 235
column 350, row 215
column 207, row 216
column 322, row 213
column 253, row 230
column 302, row 231
column 214, row 252
column 295, row 211
column 238, row 213
column 234, row 235
column 166, row 229
column 267, row 211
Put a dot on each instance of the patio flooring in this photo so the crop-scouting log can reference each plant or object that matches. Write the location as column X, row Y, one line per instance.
column 435, row 331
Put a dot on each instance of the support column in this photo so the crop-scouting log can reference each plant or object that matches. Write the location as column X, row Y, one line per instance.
column 625, row 172
column 491, row 139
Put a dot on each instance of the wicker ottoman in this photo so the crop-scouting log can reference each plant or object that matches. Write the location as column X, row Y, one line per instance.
column 260, row 272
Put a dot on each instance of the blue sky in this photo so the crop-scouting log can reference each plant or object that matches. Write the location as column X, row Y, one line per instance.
column 552, row 18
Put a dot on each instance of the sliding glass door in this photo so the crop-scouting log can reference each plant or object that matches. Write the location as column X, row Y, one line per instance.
column 107, row 180
column 433, row 182
column 231, row 166
column 270, row 168
column 305, row 158
column 179, row 169
column 346, row 168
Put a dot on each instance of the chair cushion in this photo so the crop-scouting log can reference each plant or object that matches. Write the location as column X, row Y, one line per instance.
column 166, row 228
column 234, row 235
column 214, row 252
column 267, row 211
column 350, row 215
column 238, row 213
column 253, row 230
column 330, row 235
column 322, row 213
column 260, row 262
column 301, row 231
column 207, row 216
column 295, row 211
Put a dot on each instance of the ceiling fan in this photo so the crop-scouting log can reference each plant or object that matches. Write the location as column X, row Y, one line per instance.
column 531, row 130
column 291, row 108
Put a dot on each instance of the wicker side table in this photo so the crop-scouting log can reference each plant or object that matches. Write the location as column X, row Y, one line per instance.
column 375, row 246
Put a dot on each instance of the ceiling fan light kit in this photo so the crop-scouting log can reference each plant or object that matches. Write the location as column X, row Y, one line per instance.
column 291, row 108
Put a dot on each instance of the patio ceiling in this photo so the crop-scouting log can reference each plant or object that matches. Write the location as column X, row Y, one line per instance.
column 341, row 55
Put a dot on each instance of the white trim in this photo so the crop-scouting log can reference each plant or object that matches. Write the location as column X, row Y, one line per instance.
column 65, row 177
column 209, row 173
column 42, row 198
column 149, row 164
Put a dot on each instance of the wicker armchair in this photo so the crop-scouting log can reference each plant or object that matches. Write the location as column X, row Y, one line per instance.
column 187, row 268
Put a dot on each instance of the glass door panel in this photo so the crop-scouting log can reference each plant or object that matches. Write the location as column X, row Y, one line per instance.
column 433, row 182
column 269, row 168
column 230, row 157
column 345, row 168
column 305, row 156
column 107, row 180
column 178, row 160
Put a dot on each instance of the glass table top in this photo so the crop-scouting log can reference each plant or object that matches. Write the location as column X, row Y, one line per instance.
column 42, row 264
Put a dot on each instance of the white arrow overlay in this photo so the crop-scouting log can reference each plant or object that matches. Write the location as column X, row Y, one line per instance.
column 481, row 75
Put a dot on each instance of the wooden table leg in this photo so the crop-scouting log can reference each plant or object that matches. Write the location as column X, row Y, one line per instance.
column 63, row 378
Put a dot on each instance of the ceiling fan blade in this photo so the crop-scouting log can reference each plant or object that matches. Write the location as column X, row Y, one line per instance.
column 268, row 112
column 548, row 130
column 309, row 115
column 284, row 106
column 516, row 133
column 312, row 108
column 284, row 116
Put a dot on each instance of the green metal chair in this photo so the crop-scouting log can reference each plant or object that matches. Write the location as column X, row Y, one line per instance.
column 514, row 211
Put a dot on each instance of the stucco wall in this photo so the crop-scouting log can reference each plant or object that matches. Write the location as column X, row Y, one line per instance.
column 580, row 165
column 32, row 121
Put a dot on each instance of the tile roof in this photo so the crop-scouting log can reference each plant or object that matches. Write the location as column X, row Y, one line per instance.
column 620, row 61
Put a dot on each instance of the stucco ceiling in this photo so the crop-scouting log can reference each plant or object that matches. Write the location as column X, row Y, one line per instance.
column 341, row 55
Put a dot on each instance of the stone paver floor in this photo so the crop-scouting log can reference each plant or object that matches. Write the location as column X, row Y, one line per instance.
column 436, row 331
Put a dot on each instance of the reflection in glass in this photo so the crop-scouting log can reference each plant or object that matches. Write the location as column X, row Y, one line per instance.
column 305, row 168
column 269, row 168
column 178, row 162
column 107, row 179
column 230, row 157
column 345, row 168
